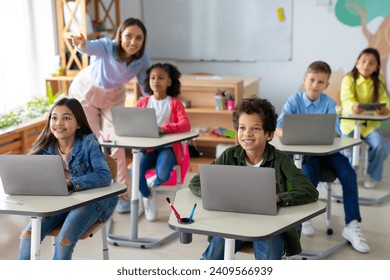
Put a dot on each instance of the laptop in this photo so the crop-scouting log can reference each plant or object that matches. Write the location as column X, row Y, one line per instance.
column 135, row 122
column 242, row 189
column 308, row 129
column 33, row 175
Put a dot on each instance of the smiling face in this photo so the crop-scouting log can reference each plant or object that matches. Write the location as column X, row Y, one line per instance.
column 63, row 124
column 132, row 39
column 315, row 83
column 367, row 64
column 252, row 137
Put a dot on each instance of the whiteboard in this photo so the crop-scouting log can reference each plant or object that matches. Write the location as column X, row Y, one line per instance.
column 218, row 30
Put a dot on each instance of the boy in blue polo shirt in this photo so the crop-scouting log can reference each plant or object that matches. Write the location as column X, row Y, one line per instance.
column 314, row 101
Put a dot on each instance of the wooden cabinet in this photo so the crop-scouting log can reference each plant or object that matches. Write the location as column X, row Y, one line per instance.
column 201, row 92
column 75, row 17
column 20, row 138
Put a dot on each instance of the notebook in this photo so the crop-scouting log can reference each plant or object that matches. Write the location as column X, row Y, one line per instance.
column 33, row 175
column 242, row 189
column 371, row 106
column 135, row 122
column 308, row 129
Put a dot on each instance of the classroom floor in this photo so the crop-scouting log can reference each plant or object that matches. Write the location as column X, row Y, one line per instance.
column 375, row 226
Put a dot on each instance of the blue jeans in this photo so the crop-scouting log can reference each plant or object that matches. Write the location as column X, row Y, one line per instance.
column 75, row 224
column 164, row 159
column 378, row 151
column 267, row 249
column 341, row 167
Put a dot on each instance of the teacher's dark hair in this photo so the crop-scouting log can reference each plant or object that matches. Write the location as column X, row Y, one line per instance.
column 118, row 38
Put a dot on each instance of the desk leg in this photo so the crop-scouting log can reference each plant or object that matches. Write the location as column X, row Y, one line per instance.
column 356, row 148
column 135, row 199
column 134, row 241
column 35, row 238
column 229, row 248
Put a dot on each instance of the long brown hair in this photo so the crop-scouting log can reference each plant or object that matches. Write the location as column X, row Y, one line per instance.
column 46, row 138
column 118, row 38
column 374, row 75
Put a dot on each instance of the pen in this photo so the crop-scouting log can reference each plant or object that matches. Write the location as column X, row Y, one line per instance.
column 192, row 212
column 174, row 210
column 102, row 135
column 12, row 202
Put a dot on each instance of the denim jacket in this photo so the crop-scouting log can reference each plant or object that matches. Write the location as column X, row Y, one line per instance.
column 292, row 186
column 89, row 169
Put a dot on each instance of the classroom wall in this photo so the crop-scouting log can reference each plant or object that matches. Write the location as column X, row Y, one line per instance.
column 317, row 35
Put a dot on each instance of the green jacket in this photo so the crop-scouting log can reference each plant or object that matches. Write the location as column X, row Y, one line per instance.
column 292, row 186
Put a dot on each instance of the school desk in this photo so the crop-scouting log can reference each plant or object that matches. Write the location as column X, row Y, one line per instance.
column 316, row 150
column 236, row 226
column 37, row 207
column 136, row 144
column 360, row 120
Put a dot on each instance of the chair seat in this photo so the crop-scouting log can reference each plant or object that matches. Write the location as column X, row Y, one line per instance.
column 89, row 233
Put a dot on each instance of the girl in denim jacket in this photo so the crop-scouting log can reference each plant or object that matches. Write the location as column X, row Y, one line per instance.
column 68, row 134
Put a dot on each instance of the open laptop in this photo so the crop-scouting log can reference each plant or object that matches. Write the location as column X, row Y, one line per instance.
column 33, row 175
column 135, row 122
column 242, row 189
column 308, row 129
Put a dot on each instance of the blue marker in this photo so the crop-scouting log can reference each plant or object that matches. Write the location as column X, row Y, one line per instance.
column 192, row 213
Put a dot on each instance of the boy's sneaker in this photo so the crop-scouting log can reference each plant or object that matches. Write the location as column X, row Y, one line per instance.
column 307, row 228
column 150, row 205
column 369, row 183
column 354, row 235
column 123, row 206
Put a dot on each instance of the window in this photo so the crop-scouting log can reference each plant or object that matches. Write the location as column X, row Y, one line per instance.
column 15, row 54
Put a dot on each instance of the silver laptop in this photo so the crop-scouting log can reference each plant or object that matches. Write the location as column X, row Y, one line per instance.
column 135, row 122
column 33, row 175
column 242, row 189
column 308, row 129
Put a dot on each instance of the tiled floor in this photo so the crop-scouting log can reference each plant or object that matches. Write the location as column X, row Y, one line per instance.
column 375, row 225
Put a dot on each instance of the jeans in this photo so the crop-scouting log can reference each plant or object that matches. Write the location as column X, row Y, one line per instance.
column 164, row 159
column 341, row 167
column 267, row 249
column 379, row 148
column 75, row 224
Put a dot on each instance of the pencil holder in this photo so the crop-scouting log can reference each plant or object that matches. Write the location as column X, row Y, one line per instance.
column 185, row 237
column 185, row 221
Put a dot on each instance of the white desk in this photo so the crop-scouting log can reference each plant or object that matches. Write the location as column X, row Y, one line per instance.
column 359, row 120
column 42, row 206
column 316, row 150
column 232, row 226
column 136, row 144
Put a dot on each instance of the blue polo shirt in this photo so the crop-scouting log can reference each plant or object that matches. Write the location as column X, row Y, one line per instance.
column 300, row 104
column 108, row 71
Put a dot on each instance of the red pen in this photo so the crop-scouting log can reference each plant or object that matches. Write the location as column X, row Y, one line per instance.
column 174, row 210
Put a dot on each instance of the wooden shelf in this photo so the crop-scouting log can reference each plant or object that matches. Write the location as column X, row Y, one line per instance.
column 105, row 11
column 19, row 139
column 207, row 110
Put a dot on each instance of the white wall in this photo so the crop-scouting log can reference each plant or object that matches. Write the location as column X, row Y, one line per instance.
column 317, row 35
